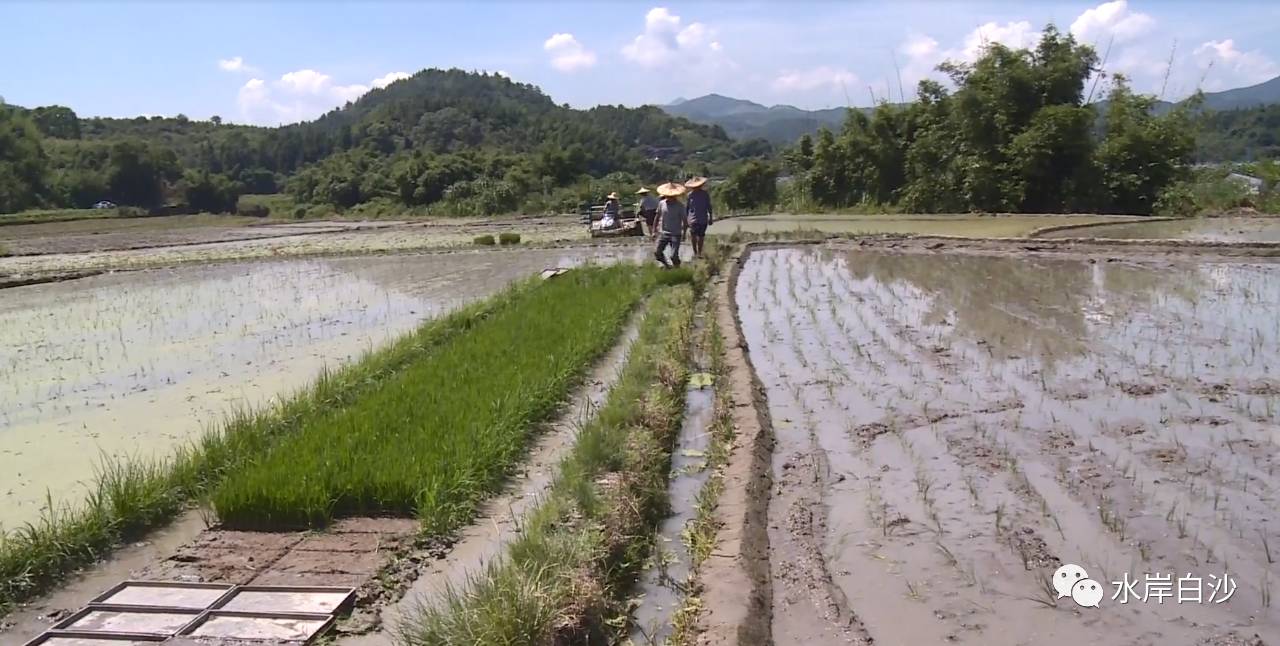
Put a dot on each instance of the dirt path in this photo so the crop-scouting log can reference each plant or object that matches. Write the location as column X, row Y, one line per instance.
column 950, row 428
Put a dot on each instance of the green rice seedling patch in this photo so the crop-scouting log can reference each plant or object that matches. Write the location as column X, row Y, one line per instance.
column 440, row 435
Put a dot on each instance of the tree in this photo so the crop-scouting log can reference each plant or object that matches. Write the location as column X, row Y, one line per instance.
column 137, row 173
column 57, row 121
column 210, row 192
column 754, row 184
column 23, row 164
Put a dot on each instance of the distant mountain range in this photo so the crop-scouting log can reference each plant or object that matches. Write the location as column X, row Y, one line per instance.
column 783, row 124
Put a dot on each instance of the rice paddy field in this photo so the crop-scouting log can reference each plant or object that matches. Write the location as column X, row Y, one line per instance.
column 953, row 427
column 1224, row 229
column 134, row 365
column 996, row 226
column 446, row 429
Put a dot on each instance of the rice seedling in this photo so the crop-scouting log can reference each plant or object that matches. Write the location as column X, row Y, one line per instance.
column 484, row 240
column 587, row 537
column 440, row 435
column 130, row 497
column 508, row 238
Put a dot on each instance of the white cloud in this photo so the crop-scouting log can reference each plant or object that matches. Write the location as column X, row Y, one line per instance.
column 666, row 39
column 1100, row 24
column 389, row 78
column 818, row 77
column 567, row 54
column 1015, row 35
column 1232, row 67
column 236, row 64
column 300, row 95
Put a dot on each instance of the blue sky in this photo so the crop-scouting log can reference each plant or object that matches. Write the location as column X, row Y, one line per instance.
column 285, row 61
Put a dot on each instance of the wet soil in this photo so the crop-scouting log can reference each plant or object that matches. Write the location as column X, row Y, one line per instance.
column 1223, row 229
column 39, row 253
column 952, row 427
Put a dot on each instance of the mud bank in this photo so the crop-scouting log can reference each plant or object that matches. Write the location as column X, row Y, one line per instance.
column 736, row 596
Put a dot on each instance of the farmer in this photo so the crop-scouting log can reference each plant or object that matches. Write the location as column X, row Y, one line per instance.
column 611, row 208
column 699, row 213
column 672, row 221
column 648, row 208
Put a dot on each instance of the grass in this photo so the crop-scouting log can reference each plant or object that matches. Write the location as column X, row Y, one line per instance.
column 561, row 579
column 440, row 435
column 129, row 498
column 62, row 215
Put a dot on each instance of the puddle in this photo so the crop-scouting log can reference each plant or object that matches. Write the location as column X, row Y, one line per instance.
column 951, row 427
column 660, row 590
column 1227, row 229
column 135, row 364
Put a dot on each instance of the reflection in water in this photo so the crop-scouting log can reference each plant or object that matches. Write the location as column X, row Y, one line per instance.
column 135, row 364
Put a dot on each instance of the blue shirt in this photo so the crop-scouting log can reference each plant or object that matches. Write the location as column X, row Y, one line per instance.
column 699, row 207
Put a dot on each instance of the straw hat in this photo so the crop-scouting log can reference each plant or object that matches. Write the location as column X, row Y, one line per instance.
column 695, row 182
column 612, row 196
column 671, row 189
column 642, row 191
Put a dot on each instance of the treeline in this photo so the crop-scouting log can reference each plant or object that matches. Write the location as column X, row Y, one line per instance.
column 1240, row 135
column 476, row 141
column 1016, row 135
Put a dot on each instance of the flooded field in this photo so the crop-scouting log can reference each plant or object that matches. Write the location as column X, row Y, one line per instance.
column 63, row 252
column 953, row 428
column 955, row 225
column 1261, row 229
column 133, row 364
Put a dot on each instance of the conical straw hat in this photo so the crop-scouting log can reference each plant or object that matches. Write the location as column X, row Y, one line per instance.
column 695, row 182
column 671, row 189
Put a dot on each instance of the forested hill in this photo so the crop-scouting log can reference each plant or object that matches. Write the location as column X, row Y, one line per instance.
column 481, row 142
column 784, row 124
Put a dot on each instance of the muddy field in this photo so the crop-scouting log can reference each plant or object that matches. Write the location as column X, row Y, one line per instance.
column 952, row 428
column 133, row 364
column 1226, row 229
column 998, row 226
column 97, row 245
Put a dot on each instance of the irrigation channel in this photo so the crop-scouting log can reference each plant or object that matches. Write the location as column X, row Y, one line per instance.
column 953, row 426
column 134, row 364
column 660, row 590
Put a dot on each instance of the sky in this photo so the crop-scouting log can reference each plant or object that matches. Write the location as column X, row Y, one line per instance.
column 281, row 62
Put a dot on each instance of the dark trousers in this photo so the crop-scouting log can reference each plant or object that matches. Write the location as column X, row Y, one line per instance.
column 665, row 241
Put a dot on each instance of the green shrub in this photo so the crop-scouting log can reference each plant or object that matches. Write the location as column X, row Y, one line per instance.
column 484, row 240
column 508, row 238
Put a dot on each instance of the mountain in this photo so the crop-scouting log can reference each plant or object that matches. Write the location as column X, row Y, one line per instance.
column 478, row 140
column 741, row 119
column 783, row 124
column 1264, row 93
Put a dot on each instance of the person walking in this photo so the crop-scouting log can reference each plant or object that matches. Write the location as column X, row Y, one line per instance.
column 672, row 220
column 699, row 213
column 648, row 208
